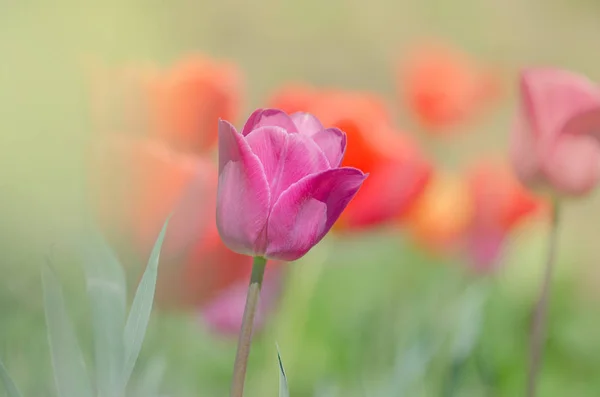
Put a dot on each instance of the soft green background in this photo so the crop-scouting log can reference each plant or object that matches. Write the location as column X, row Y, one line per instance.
column 349, row 306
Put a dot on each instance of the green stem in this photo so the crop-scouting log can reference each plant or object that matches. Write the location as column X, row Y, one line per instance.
column 245, row 338
column 538, row 331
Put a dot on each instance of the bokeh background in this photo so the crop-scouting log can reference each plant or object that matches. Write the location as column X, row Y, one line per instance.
column 367, row 312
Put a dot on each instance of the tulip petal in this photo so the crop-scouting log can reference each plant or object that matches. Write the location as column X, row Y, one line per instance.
column 332, row 142
column 391, row 191
column 307, row 123
column 551, row 97
column 286, row 158
column 523, row 153
column 573, row 164
column 584, row 123
column 243, row 197
column 269, row 117
column 306, row 211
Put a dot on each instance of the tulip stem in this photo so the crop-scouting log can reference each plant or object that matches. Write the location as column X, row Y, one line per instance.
column 245, row 338
column 538, row 330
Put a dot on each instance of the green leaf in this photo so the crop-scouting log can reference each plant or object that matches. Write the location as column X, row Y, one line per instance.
column 9, row 384
column 107, row 291
column 139, row 315
column 70, row 373
column 283, row 384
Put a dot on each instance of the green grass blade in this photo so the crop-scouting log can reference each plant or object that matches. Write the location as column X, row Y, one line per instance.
column 106, row 288
column 70, row 373
column 139, row 315
column 9, row 385
column 283, row 384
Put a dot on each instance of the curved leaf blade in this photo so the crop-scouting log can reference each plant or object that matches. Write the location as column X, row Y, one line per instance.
column 70, row 374
column 283, row 384
column 139, row 315
column 106, row 288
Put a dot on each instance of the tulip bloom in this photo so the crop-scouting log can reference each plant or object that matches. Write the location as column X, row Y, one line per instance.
column 397, row 170
column 187, row 101
column 135, row 184
column 473, row 213
column 556, row 142
column 281, row 186
column 126, row 176
column 500, row 204
column 441, row 216
column 444, row 87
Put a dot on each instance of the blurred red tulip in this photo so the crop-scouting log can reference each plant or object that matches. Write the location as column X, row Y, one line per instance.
column 443, row 87
column 295, row 97
column 152, row 169
column 188, row 100
column 135, row 185
column 501, row 203
column 472, row 214
column 500, row 199
column 398, row 171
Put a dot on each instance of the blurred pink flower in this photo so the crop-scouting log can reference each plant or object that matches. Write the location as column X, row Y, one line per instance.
column 281, row 187
column 223, row 315
column 556, row 143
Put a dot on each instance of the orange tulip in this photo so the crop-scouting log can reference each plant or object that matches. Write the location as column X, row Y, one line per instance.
column 188, row 100
column 398, row 171
column 443, row 87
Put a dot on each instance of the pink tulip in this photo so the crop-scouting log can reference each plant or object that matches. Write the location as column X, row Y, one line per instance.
column 556, row 142
column 281, row 186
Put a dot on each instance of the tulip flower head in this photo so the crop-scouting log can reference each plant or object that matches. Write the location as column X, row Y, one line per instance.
column 500, row 205
column 398, row 171
column 188, row 99
column 281, row 186
column 442, row 214
column 556, row 142
column 444, row 87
